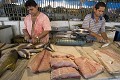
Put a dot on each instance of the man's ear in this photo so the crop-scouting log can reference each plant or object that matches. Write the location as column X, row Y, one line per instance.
column 37, row 6
column 94, row 7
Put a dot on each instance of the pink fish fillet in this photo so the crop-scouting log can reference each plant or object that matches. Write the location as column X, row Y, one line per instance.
column 57, row 62
column 34, row 64
column 111, row 53
column 45, row 63
column 65, row 73
column 87, row 67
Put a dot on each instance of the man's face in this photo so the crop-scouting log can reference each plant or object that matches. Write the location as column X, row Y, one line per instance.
column 32, row 10
column 99, row 12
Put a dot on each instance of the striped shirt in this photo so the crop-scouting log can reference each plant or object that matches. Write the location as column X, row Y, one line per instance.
column 90, row 23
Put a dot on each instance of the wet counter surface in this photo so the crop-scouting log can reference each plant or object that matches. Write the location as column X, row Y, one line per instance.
column 23, row 73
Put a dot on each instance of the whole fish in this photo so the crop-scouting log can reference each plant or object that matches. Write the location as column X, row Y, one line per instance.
column 31, row 49
column 1, row 45
column 69, row 42
column 47, row 46
column 0, row 53
column 105, row 45
column 7, row 46
column 8, row 61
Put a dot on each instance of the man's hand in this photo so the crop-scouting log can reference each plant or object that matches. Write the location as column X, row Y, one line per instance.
column 27, row 38
column 100, row 39
column 35, row 40
column 107, row 41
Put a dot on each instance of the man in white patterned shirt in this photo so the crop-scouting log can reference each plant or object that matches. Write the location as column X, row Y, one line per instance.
column 95, row 23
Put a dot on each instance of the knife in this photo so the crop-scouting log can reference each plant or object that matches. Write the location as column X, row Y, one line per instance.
column 105, row 45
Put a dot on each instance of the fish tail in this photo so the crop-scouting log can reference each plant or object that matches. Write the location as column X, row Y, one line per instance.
column 2, row 70
column 12, row 67
column 52, row 47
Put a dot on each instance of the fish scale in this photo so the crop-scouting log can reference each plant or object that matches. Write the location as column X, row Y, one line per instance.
column 8, row 61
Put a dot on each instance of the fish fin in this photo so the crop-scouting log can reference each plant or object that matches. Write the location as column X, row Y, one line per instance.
column 50, row 49
column 2, row 71
column 12, row 67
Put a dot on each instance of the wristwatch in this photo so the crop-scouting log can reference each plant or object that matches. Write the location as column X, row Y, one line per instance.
column 37, row 39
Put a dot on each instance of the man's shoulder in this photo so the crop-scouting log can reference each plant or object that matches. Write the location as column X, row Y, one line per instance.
column 27, row 16
column 103, row 19
column 43, row 14
column 88, row 16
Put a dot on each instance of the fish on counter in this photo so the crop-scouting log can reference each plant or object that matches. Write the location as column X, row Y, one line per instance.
column 47, row 46
column 109, row 60
column 70, row 56
column 1, row 45
column 88, row 68
column 0, row 54
column 7, row 46
column 24, row 53
column 58, row 61
column 105, row 45
column 45, row 64
column 34, row 64
column 65, row 73
column 8, row 61
column 27, row 50
column 41, row 62
column 20, row 46
column 35, row 46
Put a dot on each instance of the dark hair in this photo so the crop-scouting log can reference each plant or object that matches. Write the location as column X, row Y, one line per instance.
column 100, row 4
column 30, row 3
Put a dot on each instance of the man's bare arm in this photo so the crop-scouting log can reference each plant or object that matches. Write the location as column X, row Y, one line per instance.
column 104, row 35
column 36, row 39
column 43, row 34
column 99, row 38
column 25, row 32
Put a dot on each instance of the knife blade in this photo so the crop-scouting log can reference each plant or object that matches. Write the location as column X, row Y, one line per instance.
column 105, row 45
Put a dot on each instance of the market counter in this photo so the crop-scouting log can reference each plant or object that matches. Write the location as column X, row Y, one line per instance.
column 77, row 51
column 23, row 73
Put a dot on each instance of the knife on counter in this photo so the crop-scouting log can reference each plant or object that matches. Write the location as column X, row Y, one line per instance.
column 105, row 45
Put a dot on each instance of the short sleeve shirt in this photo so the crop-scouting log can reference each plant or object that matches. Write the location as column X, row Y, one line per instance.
column 42, row 23
column 90, row 23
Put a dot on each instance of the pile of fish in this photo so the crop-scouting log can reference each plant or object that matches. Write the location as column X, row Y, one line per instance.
column 8, row 61
column 26, row 51
column 63, row 67
column 10, row 53
column 8, row 58
column 61, row 64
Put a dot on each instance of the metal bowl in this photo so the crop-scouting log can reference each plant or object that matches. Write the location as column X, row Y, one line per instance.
column 81, row 32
